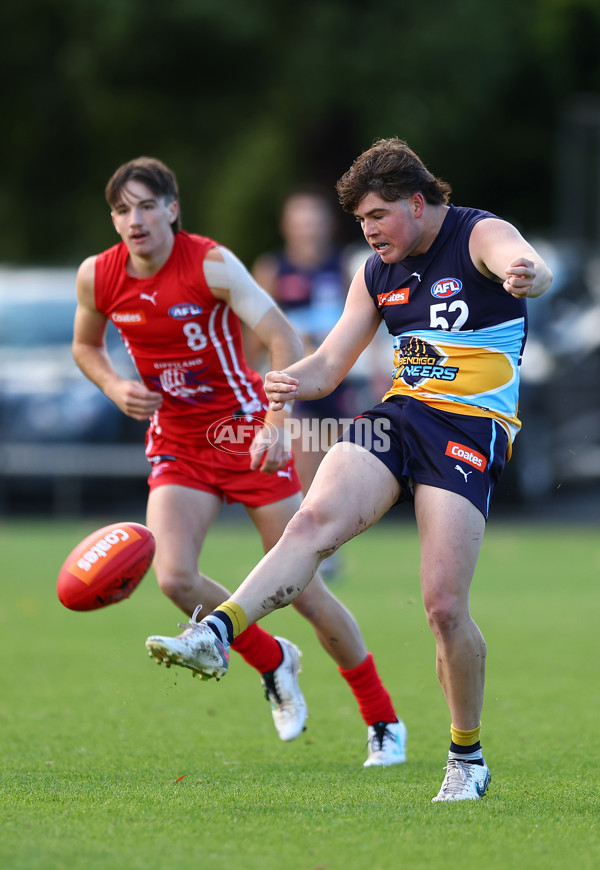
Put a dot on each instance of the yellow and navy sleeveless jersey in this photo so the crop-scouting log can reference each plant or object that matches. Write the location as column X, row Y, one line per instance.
column 458, row 336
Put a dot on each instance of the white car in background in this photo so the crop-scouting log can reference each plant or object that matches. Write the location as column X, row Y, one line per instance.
column 59, row 435
column 43, row 395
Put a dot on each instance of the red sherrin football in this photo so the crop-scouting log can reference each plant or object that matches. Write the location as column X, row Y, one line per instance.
column 106, row 566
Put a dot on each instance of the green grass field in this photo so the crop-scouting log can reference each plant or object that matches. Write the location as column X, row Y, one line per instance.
column 111, row 762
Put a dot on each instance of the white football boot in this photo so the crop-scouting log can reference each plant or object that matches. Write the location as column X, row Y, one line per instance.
column 197, row 648
column 386, row 743
column 464, row 781
column 282, row 690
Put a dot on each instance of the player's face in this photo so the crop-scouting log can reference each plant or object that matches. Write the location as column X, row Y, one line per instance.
column 392, row 229
column 306, row 221
column 143, row 220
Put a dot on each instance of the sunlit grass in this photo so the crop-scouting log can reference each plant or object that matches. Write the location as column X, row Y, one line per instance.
column 112, row 762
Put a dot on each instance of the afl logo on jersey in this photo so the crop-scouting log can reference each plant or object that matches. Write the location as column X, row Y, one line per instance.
column 184, row 311
column 446, row 288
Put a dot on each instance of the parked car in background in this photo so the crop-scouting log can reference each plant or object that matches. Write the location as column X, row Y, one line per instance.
column 45, row 401
column 43, row 395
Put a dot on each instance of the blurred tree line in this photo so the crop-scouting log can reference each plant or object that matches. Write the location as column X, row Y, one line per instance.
column 245, row 100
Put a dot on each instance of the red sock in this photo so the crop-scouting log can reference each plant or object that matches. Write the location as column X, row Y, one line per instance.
column 374, row 702
column 258, row 648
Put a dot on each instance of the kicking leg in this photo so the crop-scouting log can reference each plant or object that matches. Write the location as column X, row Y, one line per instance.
column 351, row 491
column 329, row 515
column 339, row 634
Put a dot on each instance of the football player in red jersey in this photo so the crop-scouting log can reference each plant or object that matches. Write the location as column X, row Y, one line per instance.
column 178, row 300
column 450, row 284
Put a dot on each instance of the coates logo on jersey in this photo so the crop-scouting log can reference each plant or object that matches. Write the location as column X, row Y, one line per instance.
column 126, row 317
column 184, row 311
column 446, row 288
column 393, row 297
column 466, row 454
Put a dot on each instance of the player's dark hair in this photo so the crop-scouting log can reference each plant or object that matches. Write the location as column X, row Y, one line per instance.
column 393, row 171
column 149, row 171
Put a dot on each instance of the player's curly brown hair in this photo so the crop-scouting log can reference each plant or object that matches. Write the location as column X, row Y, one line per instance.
column 392, row 170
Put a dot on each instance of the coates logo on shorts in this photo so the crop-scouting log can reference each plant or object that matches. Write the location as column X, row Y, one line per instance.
column 237, row 435
column 466, row 454
column 446, row 288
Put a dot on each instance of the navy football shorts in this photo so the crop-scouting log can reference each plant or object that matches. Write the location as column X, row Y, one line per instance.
column 420, row 444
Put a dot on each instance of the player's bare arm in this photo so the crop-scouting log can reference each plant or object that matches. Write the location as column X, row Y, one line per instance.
column 277, row 334
column 499, row 250
column 230, row 281
column 319, row 374
column 91, row 355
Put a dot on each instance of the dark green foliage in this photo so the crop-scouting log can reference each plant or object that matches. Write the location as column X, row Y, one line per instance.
column 245, row 100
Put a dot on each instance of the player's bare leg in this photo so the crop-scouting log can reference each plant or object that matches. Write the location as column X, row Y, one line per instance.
column 330, row 515
column 451, row 531
column 334, row 625
column 351, row 491
column 337, row 629
column 180, row 518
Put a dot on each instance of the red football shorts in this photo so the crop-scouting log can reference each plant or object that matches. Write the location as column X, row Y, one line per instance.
column 226, row 475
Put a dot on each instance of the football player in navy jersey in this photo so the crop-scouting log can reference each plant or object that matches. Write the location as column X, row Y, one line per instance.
column 450, row 284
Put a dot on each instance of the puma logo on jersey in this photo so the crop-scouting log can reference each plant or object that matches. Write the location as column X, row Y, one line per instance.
column 148, row 297
column 285, row 473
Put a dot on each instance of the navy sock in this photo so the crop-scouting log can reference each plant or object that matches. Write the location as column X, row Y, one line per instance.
column 464, row 750
column 221, row 625
column 469, row 754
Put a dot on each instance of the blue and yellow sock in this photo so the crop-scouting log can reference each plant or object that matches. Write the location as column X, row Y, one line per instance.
column 466, row 745
column 228, row 620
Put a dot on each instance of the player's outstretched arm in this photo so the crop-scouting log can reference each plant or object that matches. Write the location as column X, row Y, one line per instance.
column 499, row 250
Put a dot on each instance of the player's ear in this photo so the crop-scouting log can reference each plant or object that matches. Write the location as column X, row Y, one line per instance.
column 173, row 209
column 417, row 204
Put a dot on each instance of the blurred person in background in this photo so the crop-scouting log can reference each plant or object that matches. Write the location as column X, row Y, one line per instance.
column 309, row 278
column 451, row 285
column 178, row 300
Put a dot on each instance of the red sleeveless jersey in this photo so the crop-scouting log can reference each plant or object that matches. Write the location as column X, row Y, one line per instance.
column 185, row 343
